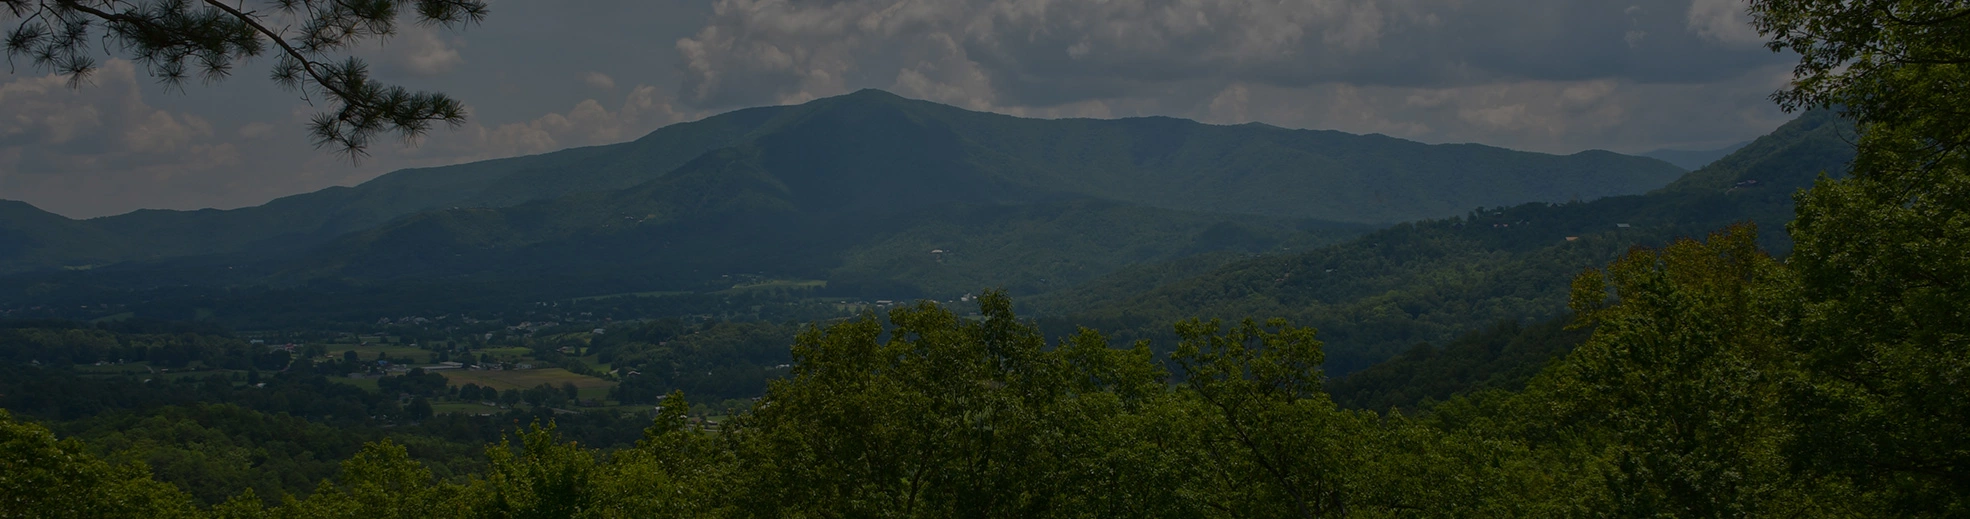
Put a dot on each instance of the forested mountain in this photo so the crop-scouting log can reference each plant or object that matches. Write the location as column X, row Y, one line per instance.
column 1693, row 159
column 306, row 220
column 867, row 155
column 1427, row 281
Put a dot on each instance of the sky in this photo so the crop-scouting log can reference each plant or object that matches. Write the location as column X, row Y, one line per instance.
column 1555, row 76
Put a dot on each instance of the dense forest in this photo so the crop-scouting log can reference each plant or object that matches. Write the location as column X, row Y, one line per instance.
column 1702, row 376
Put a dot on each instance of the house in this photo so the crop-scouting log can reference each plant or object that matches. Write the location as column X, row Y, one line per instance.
column 1573, row 238
column 1621, row 225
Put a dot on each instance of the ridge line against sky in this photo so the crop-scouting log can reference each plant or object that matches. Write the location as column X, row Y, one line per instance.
column 1553, row 76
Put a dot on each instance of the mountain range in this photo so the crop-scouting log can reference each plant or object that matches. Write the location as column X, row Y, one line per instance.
column 865, row 189
column 1427, row 281
column 1694, row 159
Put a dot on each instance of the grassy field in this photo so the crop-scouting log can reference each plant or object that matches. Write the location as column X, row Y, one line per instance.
column 595, row 361
column 528, row 378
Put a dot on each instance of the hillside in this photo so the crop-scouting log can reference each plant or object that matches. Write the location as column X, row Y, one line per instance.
column 1693, row 159
column 872, row 152
column 1427, row 281
column 856, row 198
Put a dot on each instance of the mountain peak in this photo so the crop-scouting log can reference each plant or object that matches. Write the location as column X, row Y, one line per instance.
column 871, row 93
column 870, row 98
column 19, row 208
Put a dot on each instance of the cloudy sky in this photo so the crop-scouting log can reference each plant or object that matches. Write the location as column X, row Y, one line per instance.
column 1555, row 76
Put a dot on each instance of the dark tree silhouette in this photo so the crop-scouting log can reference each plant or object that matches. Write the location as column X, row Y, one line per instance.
column 176, row 39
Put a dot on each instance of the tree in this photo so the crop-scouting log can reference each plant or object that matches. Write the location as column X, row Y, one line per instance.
column 177, row 39
column 951, row 417
column 1883, row 255
column 381, row 481
column 1683, row 378
column 419, row 409
column 1892, row 64
column 45, row 477
column 1283, row 449
column 539, row 477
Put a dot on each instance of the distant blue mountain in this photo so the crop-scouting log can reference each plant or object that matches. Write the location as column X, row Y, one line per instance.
column 1694, row 159
column 854, row 187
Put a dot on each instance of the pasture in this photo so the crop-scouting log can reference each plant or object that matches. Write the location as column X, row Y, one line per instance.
column 590, row 387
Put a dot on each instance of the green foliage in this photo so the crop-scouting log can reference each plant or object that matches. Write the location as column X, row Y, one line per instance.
column 44, row 477
column 1503, row 356
column 1684, row 372
column 948, row 417
column 1883, row 253
column 379, row 481
column 1284, row 448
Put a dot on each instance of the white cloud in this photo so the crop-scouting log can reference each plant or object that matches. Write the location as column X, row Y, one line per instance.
column 1724, row 21
column 38, row 107
column 1006, row 53
column 255, row 130
column 1232, row 105
column 1547, row 116
column 101, row 148
column 1549, row 75
column 599, row 80
column 421, row 51
column 104, row 149
column 785, row 51
column 588, row 123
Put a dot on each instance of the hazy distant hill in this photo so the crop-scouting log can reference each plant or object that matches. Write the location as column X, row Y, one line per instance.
column 856, row 190
column 1693, row 159
column 1378, row 295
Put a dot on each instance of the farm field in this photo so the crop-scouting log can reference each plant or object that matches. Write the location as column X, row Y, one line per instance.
column 590, row 387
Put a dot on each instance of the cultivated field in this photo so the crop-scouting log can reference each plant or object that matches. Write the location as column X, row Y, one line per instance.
column 525, row 378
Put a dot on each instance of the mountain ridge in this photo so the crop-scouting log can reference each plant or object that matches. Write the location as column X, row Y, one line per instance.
column 932, row 154
column 1425, row 281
